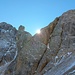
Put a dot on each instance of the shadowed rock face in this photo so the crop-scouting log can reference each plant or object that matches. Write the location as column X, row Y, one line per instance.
column 52, row 52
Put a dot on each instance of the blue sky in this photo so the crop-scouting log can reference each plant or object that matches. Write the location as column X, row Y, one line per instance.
column 33, row 14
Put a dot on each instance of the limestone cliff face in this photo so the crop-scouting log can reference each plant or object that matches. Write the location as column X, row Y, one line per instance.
column 52, row 52
column 8, row 49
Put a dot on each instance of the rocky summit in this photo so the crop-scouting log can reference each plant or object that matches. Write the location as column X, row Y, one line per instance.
column 52, row 52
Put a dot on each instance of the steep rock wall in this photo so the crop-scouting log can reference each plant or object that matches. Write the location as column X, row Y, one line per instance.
column 52, row 52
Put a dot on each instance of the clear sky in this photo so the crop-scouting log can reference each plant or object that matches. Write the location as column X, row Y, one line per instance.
column 33, row 14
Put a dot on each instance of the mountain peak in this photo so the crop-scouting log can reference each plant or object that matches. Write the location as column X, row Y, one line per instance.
column 52, row 52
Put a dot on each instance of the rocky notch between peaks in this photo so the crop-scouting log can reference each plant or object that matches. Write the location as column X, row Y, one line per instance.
column 52, row 52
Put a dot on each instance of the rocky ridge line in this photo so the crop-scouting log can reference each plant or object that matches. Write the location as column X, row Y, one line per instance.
column 52, row 52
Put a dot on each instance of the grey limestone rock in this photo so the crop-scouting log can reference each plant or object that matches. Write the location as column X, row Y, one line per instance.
column 52, row 52
column 8, row 48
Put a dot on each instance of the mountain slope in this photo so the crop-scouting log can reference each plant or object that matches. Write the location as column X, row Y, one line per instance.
column 52, row 52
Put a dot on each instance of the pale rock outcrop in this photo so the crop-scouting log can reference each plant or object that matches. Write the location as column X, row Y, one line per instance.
column 8, row 49
column 65, row 57
column 52, row 52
